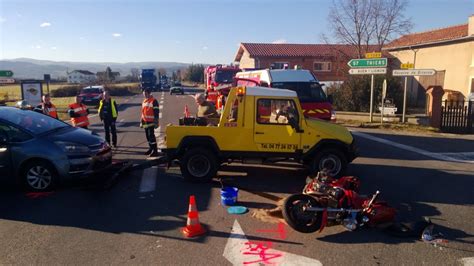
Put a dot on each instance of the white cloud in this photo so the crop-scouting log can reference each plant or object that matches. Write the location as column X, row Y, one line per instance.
column 177, row 42
column 54, row 48
column 279, row 41
column 82, row 38
column 45, row 24
column 2, row 19
column 205, row 47
column 36, row 46
column 117, row 35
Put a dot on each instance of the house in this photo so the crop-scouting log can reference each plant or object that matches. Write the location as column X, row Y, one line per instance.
column 450, row 51
column 328, row 62
column 80, row 77
column 104, row 77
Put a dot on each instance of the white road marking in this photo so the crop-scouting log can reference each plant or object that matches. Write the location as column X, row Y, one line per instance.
column 161, row 102
column 148, row 182
column 438, row 156
column 161, row 107
column 467, row 261
column 161, row 115
column 236, row 245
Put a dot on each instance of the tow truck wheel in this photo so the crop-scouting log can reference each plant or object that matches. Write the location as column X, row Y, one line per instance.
column 38, row 176
column 332, row 160
column 198, row 165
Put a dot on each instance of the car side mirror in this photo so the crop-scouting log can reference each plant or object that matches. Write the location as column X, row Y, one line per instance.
column 330, row 99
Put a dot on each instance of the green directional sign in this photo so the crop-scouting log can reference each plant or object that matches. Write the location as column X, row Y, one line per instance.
column 6, row 73
column 375, row 62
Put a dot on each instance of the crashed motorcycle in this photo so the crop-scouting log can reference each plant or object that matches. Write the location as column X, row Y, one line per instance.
column 327, row 201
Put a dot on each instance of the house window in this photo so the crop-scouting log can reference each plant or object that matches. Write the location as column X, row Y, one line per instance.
column 280, row 65
column 322, row 66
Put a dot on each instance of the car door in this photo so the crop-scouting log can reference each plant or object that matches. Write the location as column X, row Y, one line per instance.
column 5, row 155
column 273, row 131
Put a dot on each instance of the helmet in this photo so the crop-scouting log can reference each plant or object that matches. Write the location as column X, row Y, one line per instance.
column 23, row 104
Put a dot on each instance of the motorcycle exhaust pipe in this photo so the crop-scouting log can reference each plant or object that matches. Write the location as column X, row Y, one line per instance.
column 317, row 209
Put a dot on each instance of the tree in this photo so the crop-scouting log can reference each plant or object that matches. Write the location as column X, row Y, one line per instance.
column 361, row 23
column 162, row 71
column 195, row 73
column 108, row 74
column 135, row 74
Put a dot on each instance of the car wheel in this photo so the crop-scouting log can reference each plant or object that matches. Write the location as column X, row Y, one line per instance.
column 332, row 160
column 198, row 165
column 39, row 176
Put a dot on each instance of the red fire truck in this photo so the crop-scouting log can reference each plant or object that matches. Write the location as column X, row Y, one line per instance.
column 219, row 80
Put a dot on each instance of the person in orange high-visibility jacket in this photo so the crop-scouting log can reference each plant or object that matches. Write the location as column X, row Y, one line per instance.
column 47, row 107
column 220, row 102
column 78, row 113
column 150, row 121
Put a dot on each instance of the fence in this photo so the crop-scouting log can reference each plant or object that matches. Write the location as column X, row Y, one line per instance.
column 457, row 117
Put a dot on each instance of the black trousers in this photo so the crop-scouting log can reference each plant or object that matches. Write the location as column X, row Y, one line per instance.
column 109, row 127
column 150, row 137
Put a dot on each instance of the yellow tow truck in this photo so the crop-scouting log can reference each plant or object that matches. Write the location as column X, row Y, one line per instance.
column 259, row 125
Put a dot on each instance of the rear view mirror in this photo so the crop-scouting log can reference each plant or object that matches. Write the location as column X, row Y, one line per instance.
column 330, row 99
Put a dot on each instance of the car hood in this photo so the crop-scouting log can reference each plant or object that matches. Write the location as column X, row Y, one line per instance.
column 89, row 95
column 77, row 135
column 330, row 129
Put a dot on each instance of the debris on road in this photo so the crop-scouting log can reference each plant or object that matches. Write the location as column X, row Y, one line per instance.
column 274, row 215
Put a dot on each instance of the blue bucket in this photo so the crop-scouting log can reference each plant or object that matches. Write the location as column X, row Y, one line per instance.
column 229, row 195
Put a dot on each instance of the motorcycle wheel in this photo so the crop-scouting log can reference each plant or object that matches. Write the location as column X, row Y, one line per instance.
column 298, row 219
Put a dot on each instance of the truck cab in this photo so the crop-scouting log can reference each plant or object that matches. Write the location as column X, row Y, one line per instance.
column 313, row 100
column 260, row 125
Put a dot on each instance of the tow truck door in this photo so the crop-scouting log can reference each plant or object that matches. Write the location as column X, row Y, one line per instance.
column 272, row 130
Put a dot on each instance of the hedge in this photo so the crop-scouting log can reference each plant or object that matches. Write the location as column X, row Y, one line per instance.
column 73, row 90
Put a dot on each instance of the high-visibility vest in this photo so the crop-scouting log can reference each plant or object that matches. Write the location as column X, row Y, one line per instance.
column 112, row 103
column 212, row 96
column 220, row 102
column 148, row 114
column 51, row 111
column 81, row 111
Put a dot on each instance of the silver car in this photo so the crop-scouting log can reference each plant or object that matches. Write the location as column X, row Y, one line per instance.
column 39, row 151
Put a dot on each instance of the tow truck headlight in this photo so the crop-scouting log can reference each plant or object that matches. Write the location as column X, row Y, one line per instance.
column 72, row 148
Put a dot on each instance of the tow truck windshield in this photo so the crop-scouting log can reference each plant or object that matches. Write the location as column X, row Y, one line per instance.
column 306, row 91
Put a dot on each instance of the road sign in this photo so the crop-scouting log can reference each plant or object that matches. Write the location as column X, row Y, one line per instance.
column 6, row 73
column 414, row 72
column 407, row 66
column 6, row 80
column 367, row 71
column 378, row 62
column 373, row 55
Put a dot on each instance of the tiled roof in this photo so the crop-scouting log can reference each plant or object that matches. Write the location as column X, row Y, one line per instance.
column 432, row 36
column 296, row 50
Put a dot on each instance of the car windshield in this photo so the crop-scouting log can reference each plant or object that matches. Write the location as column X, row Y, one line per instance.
column 33, row 122
column 306, row 91
column 224, row 76
column 91, row 90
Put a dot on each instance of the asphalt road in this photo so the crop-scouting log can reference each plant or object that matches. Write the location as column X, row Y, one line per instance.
column 139, row 219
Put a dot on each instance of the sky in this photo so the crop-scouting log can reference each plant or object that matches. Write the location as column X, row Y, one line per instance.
column 199, row 31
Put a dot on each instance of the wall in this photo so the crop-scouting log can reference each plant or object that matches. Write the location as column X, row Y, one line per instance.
column 337, row 73
column 246, row 61
column 457, row 60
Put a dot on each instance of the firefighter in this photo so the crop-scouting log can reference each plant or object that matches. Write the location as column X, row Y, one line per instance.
column 78, row 113
column 47, row 107
column 108, row 114
column 149, row 121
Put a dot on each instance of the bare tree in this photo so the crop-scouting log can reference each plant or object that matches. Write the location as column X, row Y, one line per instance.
column 361, row 23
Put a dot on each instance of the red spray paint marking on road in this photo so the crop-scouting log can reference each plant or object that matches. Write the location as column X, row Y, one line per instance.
column 36, row 195
column 260, row 249
column 281, row 231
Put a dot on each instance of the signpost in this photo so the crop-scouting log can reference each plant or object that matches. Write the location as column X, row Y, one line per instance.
column 367, row 71
column 47, row 78
column 410, row 73
column 372, row 66
column 7, row 80
column 373, row 55
column 407, row 66
column 32, row 91
column 376, row 62
column 6, row 73
column 384, row 94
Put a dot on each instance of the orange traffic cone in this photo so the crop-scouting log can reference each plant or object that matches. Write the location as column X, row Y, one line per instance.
column 186, row 111
column 193, row 227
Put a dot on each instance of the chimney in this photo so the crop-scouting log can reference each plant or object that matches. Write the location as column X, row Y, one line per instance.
column 470, row 27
